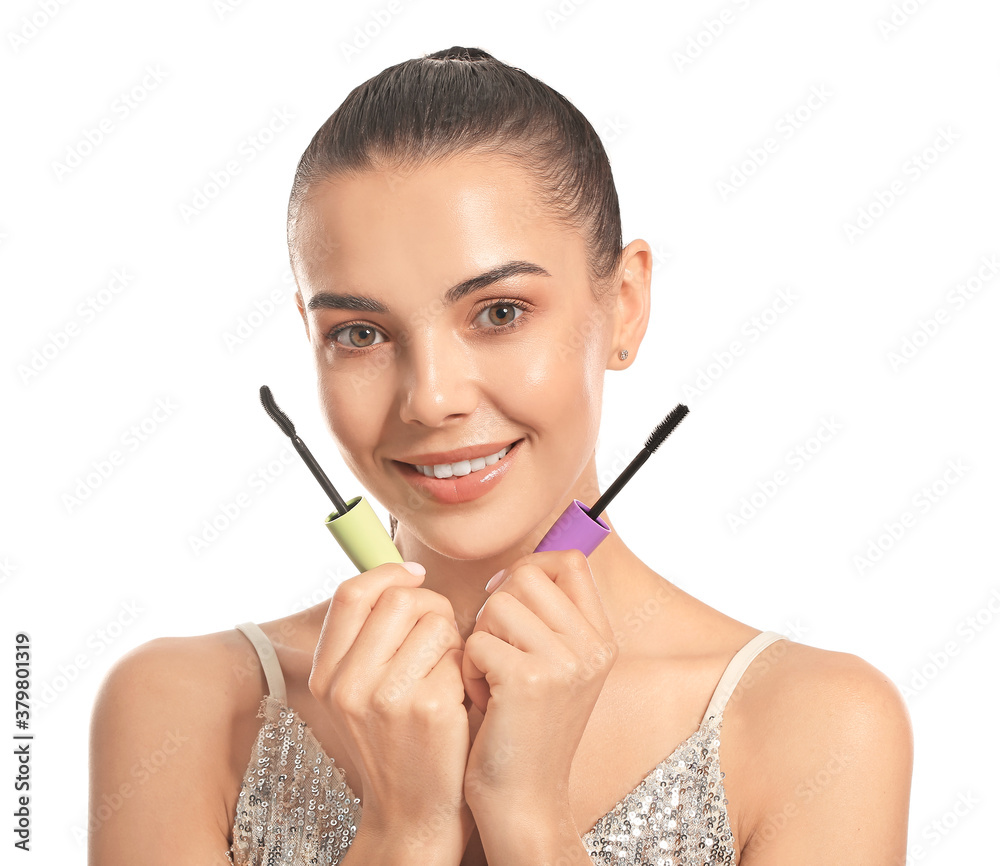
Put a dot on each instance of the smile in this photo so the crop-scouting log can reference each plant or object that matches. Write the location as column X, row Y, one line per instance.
column 463, row 467
column 463, row 481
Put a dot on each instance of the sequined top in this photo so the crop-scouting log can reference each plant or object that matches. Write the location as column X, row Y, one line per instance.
column 295, row 806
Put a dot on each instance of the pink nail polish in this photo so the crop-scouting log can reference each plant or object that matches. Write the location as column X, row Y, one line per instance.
column 494, row 581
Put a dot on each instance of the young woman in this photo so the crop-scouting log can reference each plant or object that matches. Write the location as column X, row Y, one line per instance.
column 455, row 236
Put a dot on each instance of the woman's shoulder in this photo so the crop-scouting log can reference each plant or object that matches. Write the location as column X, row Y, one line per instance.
column 163, row 715
column 200, row 670
column 208, row 687
column 822, row 735
column 796, row 687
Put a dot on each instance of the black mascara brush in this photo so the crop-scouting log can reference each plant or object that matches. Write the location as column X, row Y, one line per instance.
column 662, row 431
column 288, row 428
column 354, row 524
column 580, row 527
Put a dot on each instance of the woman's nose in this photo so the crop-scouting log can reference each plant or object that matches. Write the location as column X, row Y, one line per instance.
column 437, row 380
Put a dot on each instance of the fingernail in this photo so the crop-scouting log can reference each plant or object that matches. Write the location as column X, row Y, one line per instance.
column 414, row 568
column 493, row 581
column 480, row 611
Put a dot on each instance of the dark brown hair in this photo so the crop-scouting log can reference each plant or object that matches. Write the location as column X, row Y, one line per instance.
column 465, row 100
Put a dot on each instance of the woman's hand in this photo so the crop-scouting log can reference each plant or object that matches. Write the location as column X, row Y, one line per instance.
column 534, row 664
column 388, row 670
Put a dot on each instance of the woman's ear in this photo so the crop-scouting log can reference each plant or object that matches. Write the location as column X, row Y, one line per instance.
column 631, row 303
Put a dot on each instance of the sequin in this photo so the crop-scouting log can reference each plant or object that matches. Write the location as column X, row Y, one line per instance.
column 295, row 806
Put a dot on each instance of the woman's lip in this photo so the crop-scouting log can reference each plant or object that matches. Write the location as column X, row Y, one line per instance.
column 463, row 488
column 456, row 456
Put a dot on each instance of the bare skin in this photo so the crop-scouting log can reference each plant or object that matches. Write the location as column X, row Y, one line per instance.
column 658, row 691
column 815, row 743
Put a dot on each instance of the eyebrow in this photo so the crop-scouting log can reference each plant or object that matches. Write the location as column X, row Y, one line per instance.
column 335, row 301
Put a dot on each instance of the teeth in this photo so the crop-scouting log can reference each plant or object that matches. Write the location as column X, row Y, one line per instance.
column 463, row 467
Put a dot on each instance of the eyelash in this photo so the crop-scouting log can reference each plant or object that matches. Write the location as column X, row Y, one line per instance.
column 331, row 336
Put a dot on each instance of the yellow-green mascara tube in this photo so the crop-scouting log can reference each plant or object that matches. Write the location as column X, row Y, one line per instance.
column 353, row 523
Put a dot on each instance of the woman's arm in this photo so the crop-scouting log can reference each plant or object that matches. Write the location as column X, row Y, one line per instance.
column 835, row 771
column 158, row 747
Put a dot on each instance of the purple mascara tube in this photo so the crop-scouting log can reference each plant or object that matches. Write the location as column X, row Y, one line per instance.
column 575, row 530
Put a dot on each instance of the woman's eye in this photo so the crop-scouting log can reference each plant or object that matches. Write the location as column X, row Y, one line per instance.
column 356, row 336
column 500, row 314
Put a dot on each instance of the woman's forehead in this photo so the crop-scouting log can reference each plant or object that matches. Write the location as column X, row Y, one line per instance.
column 456, row 217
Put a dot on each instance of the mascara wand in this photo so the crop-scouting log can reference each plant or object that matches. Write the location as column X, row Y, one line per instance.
column 662, row 431
column 288, row 428
column 354, row 524
column 580, row 527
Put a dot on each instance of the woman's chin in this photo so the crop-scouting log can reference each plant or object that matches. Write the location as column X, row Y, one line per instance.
column 470, row 543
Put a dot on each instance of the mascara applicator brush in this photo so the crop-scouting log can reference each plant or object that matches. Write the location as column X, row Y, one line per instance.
column 580, row 527
column 354, row 524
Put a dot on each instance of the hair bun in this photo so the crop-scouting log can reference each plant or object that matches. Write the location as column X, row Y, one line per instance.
column 458, row 52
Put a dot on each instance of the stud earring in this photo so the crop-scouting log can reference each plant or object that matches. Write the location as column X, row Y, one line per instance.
column 623, row 354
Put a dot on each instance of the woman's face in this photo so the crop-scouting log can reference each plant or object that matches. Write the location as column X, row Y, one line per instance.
column 418, row 353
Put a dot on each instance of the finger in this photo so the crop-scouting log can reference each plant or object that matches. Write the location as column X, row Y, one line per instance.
column 350, row 607
column 445, row 678
column 570, row 571
column 508, row 618
column 425, row 646
column 443, row 681
column 391, row 619
column 536, row 590
column 486, row 652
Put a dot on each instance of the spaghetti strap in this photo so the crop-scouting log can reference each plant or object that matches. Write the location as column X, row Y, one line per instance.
column 739, row 663
column 268, row 660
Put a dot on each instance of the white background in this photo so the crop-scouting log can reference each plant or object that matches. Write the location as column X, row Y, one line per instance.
column 90, row 579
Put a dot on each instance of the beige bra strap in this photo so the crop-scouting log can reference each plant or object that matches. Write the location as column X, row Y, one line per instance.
column 731, row 676
column 268, row 659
